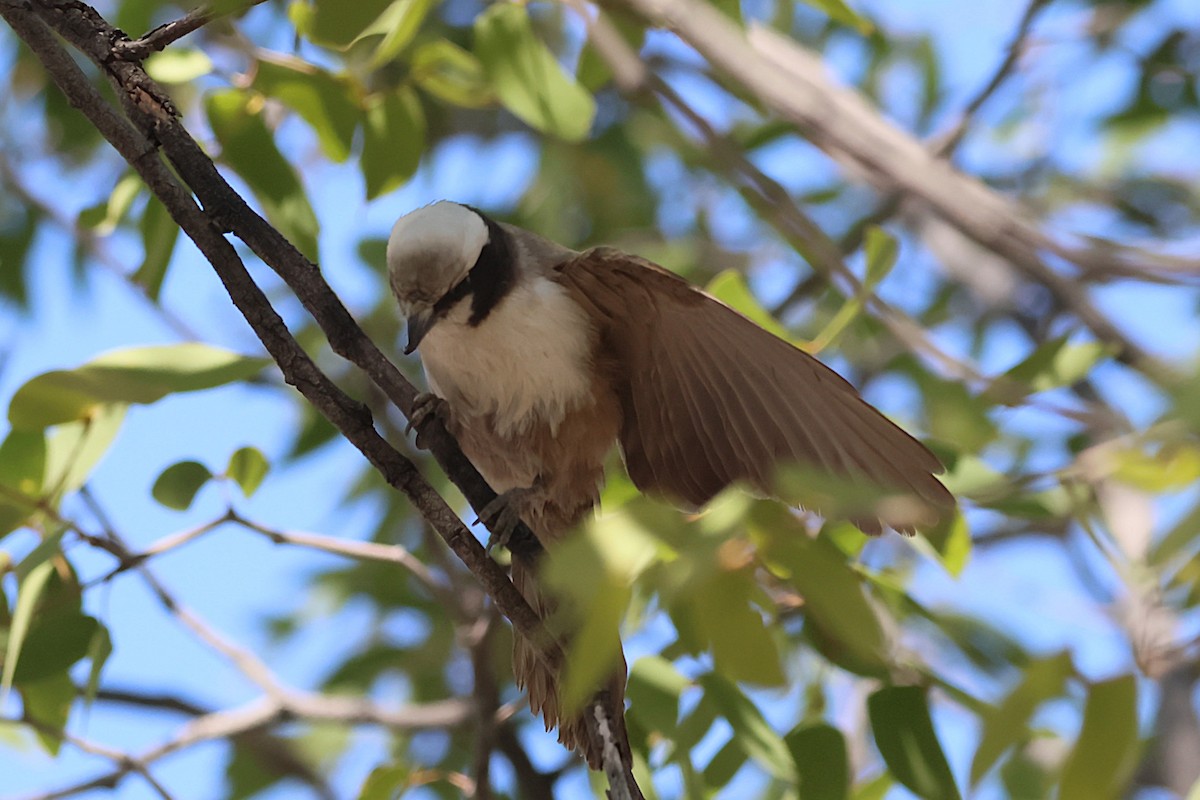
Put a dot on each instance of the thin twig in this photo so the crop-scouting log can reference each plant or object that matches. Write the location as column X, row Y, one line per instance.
column 168, row 33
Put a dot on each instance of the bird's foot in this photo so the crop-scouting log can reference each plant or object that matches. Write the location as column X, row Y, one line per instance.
column 426, row 406
column 504, row 513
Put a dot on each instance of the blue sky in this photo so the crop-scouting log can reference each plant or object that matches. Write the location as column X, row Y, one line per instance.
column 236, row 580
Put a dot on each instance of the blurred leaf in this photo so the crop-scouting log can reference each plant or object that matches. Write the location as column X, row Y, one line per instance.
column 950, row 543
column 105, row 216
column 326, row 103
column 135, row 375
column 882, row 251
column 1053, row 364
column 176, row 487
column 743, row 649
column 248, row 147
column 46, row 549
column 833, row 594
column 1105, row 754
column 593, row 72
column 28, row 593
column 159, row 233
column 396, row 27
column 22, row 470
column 385, row 783
column 905, row 737
column 49, row 702
column 751, row 730
column 393, row 141
column 74, row 449
column 838, row 11
column 450, row 73
column 654, row 690
column 955, row 416
column 178, row 65
column 56, row 640
column 724, row 765
column 248, row 466
column 1177, row 541
column 821, row 761
column 1008, row 723
column 1175, row 466
column 527, row 78
column 16, row 236
column 335, row 23
column 729, row 286
column 99, row 649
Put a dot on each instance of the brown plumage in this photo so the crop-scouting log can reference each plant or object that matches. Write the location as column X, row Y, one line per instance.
column 547, row 358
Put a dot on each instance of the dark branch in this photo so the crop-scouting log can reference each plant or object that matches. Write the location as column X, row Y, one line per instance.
column 168, row 33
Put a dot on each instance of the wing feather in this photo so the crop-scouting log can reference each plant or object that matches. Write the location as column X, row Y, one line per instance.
column 709, row 398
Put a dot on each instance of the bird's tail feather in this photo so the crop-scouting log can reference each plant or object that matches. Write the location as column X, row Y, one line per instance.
column 542, row 683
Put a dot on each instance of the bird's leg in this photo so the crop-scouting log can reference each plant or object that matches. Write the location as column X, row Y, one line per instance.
column 426, row 405
column 505, row 511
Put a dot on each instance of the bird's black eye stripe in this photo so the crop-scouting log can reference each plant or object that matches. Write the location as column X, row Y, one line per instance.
column 488, row 280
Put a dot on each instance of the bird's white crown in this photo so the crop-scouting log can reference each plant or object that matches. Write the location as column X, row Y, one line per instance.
column 431, row 249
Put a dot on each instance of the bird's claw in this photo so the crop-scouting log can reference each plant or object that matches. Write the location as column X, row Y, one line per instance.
column 502, row 516
column 425, row 406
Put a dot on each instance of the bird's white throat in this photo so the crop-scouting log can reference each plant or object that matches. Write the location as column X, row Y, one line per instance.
column 529, row 361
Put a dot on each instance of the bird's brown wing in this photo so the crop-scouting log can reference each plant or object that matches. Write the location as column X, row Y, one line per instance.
column 709, row 398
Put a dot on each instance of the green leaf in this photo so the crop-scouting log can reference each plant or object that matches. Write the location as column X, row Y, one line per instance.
column 724, row 765
column 527, row 78
column 49, row 702
column 28, row 593
column 1105, row 754
column 56, row 640
column 834, row 603
column 178, row 66
column 905, row 737
column 104, row 217
column 46, row 549
column 882, row 251
column 74, row 449
column 751, row 730
column 385, row 783
column 1053, row 364
column 136, row 375
column 336, row 23
column 22, row 470
column 326, row 103
column 729, row 286
column 1008, row 723
column 248, row 466
column 99, row 649
column 159, row 233
column 742, row 646
column 393, row 140
column 838, row 11
column 396, row 27
column 1172, row 467
column 821, row 761
column 450, row 73
column 956, row 417
column 248, row 147
column 949, row 543
column 655, row 687
column 176, row 487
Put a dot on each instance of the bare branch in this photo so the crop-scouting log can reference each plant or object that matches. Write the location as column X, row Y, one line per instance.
column 164, row 35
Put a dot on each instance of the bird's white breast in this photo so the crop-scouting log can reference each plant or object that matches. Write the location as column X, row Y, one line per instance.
column 528, row 361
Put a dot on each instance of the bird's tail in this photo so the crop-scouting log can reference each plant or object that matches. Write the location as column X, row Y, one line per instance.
column 542, row 682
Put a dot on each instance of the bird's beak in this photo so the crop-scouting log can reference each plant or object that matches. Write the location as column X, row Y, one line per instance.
column 419, row 323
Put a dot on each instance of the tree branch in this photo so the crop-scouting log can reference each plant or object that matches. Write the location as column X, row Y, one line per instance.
column 164, row 35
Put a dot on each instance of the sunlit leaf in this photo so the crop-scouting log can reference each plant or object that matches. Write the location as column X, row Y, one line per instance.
column 73, row 449
column 395, row 28
column 730, row 288
column 248, row 466
column 839, row 11
column 527, row 78
column 1053, row 364
column 742, row 647
column 819, row 751
column 1172, row 467
column 336, row 23
column 107, row 214
column 950, row 543
column 135, row 375
column 1105, row 754
column 882, row 251
column 904, row 734
column 22, row 470
column 385, row 782
column 99, row 649
column 178, row 65
column 248, row 147
column 176, row 487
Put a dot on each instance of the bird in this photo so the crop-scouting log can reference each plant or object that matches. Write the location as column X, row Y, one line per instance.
column 541, row 360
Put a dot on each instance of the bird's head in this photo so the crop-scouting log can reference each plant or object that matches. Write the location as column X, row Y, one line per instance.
column 430, row 254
